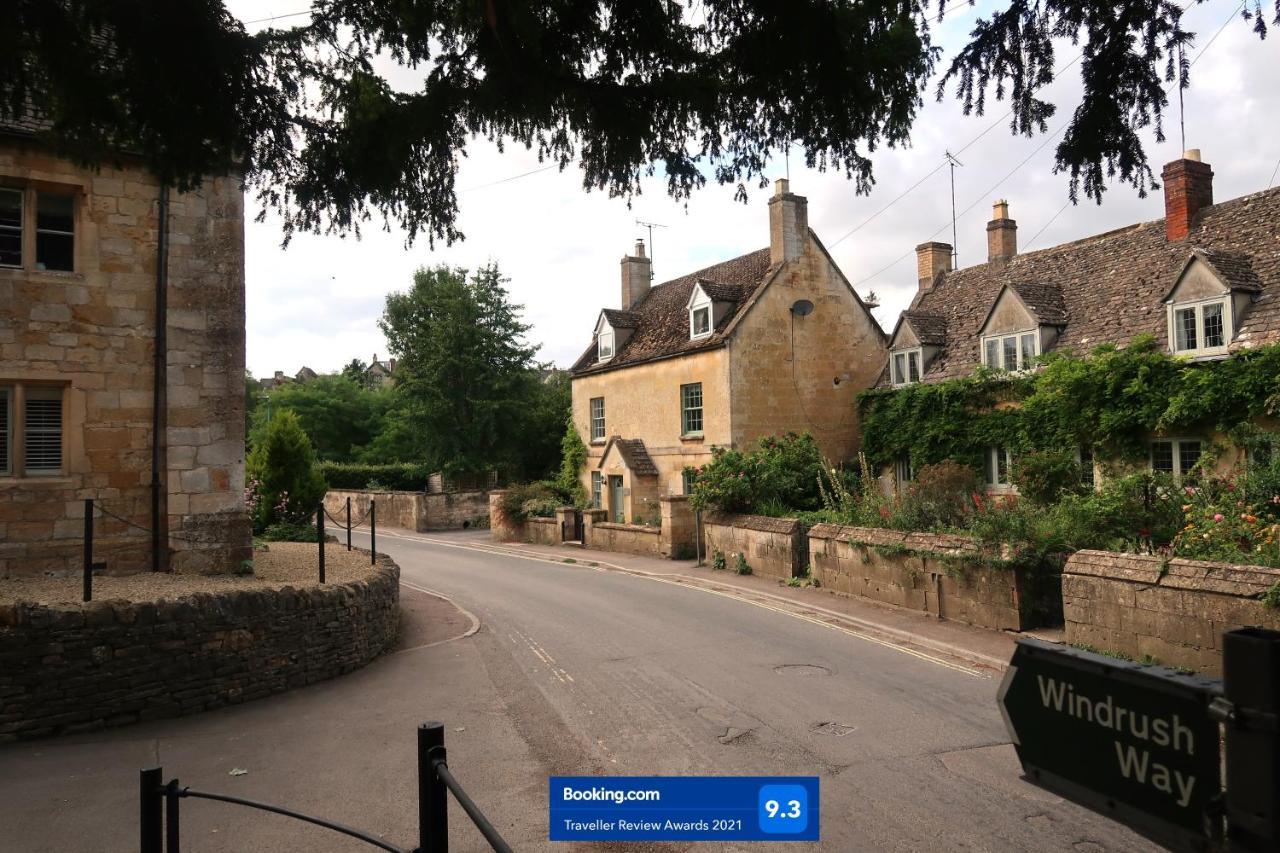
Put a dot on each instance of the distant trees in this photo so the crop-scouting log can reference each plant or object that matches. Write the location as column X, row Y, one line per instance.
column 340, row 416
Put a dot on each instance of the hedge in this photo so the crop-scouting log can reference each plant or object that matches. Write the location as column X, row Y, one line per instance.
column 396, row 477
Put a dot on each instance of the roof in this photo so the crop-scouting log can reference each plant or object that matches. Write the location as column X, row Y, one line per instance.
column 930, row 329
column 634, row 453
column 661, row 327
column 621, row 319
column 720, row 292
column 1110, row 288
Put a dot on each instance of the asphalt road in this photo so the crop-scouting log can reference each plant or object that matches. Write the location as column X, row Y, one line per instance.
column 610, row 673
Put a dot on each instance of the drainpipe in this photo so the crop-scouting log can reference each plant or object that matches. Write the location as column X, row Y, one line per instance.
column 159, row 533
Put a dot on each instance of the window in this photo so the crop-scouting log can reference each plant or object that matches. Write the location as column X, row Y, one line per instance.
column 1178, row 456
column 1084, row 454
column 597, row 489
column 50, row 215
column 1011, row 352
column 999, row 466
column 691, row 409
column 700, row 322
column 604, row 344
column 687, row 478
column 10, row 227
column 906, row 367
column 30, row 430
column 1202, row 328
column 597, row 418
column 903, row 469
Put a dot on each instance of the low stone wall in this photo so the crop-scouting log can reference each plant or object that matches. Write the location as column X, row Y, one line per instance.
column 937, row 573
column 622, row 538
column 412, row 510
column 773, row 547
column 542, row 531
column 78, row 667
column 1174, row 611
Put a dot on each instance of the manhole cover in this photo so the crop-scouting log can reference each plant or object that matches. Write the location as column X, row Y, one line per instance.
column 835, row 729
column 804, row 670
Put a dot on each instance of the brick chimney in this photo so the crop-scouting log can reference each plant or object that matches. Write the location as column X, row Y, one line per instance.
column 931, row 259
column 1188, row 189
column 788, row 223
column 637, row 276
column 1002, row 233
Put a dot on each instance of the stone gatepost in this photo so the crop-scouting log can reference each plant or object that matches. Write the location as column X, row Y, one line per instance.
column 678, row 540
column 591, row 517
column 502, row 528
column 565, row 516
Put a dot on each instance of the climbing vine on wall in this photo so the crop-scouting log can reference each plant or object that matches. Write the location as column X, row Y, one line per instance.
column 1113, row 400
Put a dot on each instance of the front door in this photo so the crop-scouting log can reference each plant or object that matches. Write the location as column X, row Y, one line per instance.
column 615, row 499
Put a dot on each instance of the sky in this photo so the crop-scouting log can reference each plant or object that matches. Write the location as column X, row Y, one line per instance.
column 317, row 302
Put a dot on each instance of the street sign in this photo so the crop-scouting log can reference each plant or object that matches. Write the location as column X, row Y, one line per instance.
column 1133, row 742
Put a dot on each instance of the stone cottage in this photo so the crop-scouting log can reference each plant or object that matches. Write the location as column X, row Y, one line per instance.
column 97, row 399
column 772, row 341
column 1204, row 280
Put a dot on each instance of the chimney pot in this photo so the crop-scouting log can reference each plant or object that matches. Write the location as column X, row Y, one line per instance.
column 788, row 223
column 1188, row 189
column 637, row 276
column 931, row 259
column 1002, row 233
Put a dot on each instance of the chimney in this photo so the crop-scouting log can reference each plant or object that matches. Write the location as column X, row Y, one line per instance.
column 1188, row 189
column 1002, row 233
column 931, row 259
column 637, row 275
column 279, row 377
column 788, row 223
column 391, row 366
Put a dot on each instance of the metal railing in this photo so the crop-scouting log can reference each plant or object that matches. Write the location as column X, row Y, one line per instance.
column 160, row 809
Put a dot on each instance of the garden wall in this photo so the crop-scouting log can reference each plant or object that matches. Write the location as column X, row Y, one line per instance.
column 417, row 511
column 773, row 547
column 623, row 538
column 77, row 667
column 937, row 573
column 542, row 531
column 1174, row 611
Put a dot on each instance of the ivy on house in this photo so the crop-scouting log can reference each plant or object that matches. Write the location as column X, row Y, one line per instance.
column 1112, row 400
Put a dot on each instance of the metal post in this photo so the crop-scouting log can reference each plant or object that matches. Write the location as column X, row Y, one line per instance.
column 433, row 795
column 1251, row 687
column 172, row 841
column 373, row 532
column 348, row 522
column 88, row 549
column 151, row 816
column 320, row 536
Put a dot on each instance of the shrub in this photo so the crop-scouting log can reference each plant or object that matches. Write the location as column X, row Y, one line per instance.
column 941, row 496
column 540, row 499
column 740, row 564
column 717, row 561
column 780, row 472
column 399, row 476
column 1044, row 476
column 1220, row 525
column 291, row 531
column 284, row 485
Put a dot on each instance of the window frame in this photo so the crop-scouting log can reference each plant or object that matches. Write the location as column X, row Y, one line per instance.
column 1085, row 457
column 991, row 468
column 694, row 334
column 1001, row 343
column 20, row 228
column 29, row 194
column 605, row 352
column 903, row 470
column 687, row 478
column 592, row 418
column 597, row 490
column 1198, row 306
column 15, row 395
column 911, row 358
column 686, row 410
column 6, row 435
column 1179, row 469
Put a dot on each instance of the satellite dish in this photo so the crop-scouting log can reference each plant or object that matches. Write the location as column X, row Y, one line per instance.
column 802, row 308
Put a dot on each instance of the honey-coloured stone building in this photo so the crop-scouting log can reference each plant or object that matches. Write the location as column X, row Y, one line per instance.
column 100, row 401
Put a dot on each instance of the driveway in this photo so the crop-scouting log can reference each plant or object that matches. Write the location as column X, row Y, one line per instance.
column 576, row 670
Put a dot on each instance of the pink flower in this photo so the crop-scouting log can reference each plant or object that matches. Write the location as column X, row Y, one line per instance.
column 1217, row 516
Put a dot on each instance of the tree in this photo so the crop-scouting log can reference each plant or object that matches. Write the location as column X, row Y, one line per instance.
column 712, row 89
column 357, row 371
column 252, row 400
column 463, row 367
column 338, row 415
column 284, row 484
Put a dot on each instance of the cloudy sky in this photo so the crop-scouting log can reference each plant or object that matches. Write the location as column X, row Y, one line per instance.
column 317, row 302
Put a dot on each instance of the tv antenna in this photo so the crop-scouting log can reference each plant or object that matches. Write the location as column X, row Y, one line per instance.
column 955, row 243
column 650, row 226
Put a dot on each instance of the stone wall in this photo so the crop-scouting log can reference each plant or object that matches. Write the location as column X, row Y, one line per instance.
column 936, row 573
column 773, row 547
column 542, row 531
column 417, row 511
column 77, row 667
column 679, row 537
column 621, row 538
column 88, row 335
column 1174, row 611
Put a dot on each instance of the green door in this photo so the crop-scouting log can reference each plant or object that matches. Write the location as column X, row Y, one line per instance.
column 615, row 499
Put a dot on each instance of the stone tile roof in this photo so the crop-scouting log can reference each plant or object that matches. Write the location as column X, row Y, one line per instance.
column 622, row 319
column 1112, row 285
column 720, row 292
column 662, row 319
column 1044, row 299
column 930, row 329
column 634, row 453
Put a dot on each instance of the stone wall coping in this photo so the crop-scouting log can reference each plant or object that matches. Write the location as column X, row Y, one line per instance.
column 920, row 541
column 673, row 498
column 1175, row 573
column 763, row 523
column 635, row 528
column 415, row 493
column 540, row 520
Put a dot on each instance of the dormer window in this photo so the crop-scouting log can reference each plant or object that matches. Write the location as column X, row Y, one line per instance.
column 1011, row 352
column 604, row 344
column 702, row 311
column 1200, row 328
column 700, row 321
column 906, row 367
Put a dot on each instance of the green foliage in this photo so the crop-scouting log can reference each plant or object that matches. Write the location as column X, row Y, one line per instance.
column 1271, row 598
column 779, row 472
column 252, row 400
column 1044, row 476
column 717, row 561
column 740, row 564
column 340, row 416
column 284, row 484
column 396, row 476
column 573, row 455
column 533, row 500
column 1221, row 525
column 290, row 531
column 941, row 497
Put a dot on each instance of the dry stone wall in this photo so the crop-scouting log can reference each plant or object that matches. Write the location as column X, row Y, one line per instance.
column 78, row 667
column 623, row 538
column 1174, row 611
column 773, row 547
column 412, row 510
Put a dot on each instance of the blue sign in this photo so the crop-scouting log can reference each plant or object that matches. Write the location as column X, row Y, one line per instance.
column 684, row 808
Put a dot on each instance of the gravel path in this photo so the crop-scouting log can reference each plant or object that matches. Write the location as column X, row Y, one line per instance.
column 282, row 564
